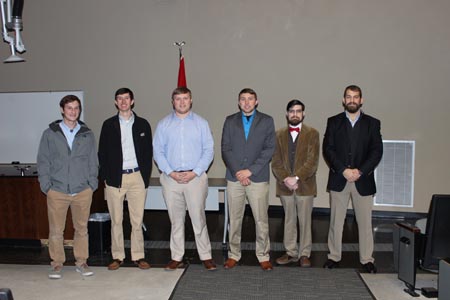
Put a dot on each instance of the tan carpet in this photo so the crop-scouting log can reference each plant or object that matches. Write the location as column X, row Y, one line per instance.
column 388, row 287
column 30, row 282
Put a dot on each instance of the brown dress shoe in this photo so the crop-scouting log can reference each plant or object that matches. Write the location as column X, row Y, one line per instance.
column 230, row 263
column 266, row 265
column 304, row 262
column 173, row 265
column 115, row 264
column 142, row 264
column 210, row 265
column 286, row 259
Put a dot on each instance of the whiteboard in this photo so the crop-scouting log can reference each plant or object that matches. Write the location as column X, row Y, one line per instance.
column 23, row 118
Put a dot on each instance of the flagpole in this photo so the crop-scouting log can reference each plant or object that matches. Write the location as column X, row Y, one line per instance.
column 180, row 46
column 181, row 71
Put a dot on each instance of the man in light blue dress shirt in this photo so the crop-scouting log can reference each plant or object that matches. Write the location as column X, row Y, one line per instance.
column 183, row 149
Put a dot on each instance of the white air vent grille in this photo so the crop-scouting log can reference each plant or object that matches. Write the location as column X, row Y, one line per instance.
column 395, row 175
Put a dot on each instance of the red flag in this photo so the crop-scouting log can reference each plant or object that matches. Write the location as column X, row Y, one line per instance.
column 182, row 74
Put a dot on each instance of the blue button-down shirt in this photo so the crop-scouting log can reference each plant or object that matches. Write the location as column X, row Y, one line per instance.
column 183, row 144
column 247, row 123
column 69, row 133
column 356, row 120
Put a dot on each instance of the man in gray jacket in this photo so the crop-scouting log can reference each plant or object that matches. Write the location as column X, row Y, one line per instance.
column 248, row 142
column 68, row 167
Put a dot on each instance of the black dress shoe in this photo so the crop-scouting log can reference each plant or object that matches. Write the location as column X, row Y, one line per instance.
column 370, row 268
column 330, row 264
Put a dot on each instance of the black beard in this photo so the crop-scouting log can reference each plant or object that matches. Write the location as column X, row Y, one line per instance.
column 295, row 122
column 352, row 109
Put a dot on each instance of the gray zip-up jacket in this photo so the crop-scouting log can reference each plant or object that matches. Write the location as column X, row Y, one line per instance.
column 64, row 170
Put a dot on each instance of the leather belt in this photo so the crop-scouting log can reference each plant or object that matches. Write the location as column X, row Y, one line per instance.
column 129, row 171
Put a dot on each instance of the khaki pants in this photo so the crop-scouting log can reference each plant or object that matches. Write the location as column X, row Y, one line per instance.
column 297, row 208
column 134, row 188
column 362, row 205
column 193, row 196
column 257, row 194
column 57, row 205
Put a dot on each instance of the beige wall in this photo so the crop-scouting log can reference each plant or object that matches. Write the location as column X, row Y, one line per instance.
column 397, row 51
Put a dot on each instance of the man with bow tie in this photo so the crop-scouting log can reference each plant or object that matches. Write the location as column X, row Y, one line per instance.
column 294, row 165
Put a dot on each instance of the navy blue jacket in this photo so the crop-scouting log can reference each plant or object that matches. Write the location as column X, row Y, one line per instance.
column 363, row 151
column 110, row 150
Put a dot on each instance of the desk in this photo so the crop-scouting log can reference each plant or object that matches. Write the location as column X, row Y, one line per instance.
column 23, row 207
column 155, row 199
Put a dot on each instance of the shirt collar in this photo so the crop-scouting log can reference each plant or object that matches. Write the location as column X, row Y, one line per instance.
column 357, row 118
column 123, row 121
column 190, row 115
column 64, row 126
column 299, row 126
column 251, row 116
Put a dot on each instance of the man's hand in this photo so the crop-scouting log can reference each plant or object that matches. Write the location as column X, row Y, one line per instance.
column 244, row 177
column 291, row 183
column 351, row 175
column 245, row 182
column 183, row 177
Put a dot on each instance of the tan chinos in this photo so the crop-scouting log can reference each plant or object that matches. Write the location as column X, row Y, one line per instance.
column 362, row 206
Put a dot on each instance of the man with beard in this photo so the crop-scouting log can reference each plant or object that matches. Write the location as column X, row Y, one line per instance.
column 352, row 147
column 294, row 165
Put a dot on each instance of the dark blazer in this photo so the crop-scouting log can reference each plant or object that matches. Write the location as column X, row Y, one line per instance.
column 110, row 154
column 366, row 150
column 305, row 163
column 254, row 153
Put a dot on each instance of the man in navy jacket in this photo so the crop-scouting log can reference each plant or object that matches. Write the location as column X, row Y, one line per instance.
column 352, row 147
column 125, row 156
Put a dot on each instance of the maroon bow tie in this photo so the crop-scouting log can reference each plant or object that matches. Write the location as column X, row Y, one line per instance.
column 294, row 129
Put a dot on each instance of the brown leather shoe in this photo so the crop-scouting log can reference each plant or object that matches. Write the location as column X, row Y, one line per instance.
column 304, row 262
column 230, row 263
column 210, row 265
column 286, row 259
column 173, row 265
column 142, row 264
column 266, row 265
column 115, row 264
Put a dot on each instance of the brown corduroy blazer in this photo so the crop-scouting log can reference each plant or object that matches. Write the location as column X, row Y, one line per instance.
column 305, row 164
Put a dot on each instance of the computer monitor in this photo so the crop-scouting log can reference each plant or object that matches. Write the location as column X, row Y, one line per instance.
column 444, row 280
column 437, row 235
column 408, row 236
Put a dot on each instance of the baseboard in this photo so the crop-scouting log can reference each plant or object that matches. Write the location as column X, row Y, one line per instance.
column 278, row 211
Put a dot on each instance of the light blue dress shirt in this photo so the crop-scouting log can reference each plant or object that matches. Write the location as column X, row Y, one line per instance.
column 352, row 122
column 183, row 144
column 69, row 133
